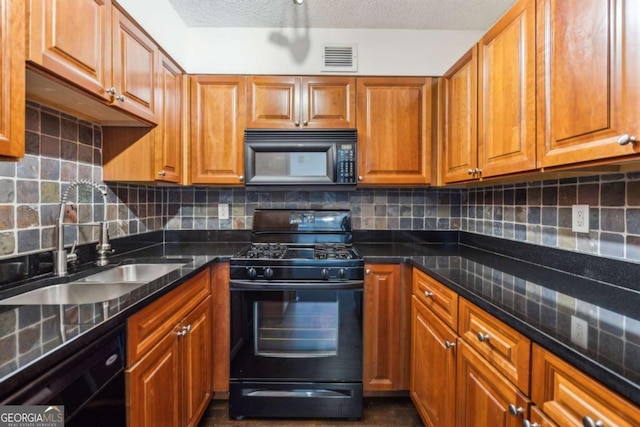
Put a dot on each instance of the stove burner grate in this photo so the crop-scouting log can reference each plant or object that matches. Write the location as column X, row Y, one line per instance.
column 333, row 251
column 267, row 250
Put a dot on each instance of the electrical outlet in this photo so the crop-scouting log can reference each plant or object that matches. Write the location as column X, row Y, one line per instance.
column 223, row 211
column 579, row 332
column 580, row 218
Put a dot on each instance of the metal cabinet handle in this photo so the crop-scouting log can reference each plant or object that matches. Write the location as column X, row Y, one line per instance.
column 527, row 423
column 162, row 173
column 449, row 344
column 185, row 330
column 111, row 91
column 305, row 123
column 428, row 294
column 120, row 98
column 514, row 410
column 626, row 139
column 483, row 338
column 360, row 177
column 367, row 271
column 588, row 422
column 477, row 171
column 241, row 177
column 470, row 171
column 297, row 123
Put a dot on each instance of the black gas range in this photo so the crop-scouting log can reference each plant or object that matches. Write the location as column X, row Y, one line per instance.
column 296, row 318
column 299, row 245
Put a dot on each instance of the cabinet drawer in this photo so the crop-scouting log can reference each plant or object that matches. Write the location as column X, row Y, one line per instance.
column 146, row 327
column 566, row 395
column 506, row 349
column 440, row 299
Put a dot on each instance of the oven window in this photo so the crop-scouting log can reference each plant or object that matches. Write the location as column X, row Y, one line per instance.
column 293, row 328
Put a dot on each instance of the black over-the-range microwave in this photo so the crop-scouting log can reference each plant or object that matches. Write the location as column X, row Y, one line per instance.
column 300, row 157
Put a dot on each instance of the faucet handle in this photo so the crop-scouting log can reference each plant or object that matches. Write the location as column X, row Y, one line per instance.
column 72, row 256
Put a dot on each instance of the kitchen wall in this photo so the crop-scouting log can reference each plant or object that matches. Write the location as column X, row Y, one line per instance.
column 61, row 148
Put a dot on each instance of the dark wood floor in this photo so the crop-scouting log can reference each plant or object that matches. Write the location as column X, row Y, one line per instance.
column 378, row 411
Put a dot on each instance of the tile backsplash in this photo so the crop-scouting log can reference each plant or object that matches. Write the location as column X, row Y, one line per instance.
column 62, row 148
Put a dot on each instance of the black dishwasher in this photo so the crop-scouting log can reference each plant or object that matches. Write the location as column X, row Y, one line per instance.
column 90, row 384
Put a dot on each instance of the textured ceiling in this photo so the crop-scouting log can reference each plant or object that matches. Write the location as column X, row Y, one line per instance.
column 476, row 15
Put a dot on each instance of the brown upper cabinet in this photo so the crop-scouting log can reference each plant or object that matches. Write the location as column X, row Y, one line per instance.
column 217, row 120
column 588, row 91
column 12, row 80
column 143, row 155
column 506, row 94
column 394, row 130
column 489, row 103
column 460, row 112
column 91, row 45
column 312, row 102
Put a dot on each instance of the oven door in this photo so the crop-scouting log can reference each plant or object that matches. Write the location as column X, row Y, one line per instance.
column 296, row 350
column 296, row 332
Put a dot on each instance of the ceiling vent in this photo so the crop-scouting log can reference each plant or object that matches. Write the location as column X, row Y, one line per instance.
column 340, row 57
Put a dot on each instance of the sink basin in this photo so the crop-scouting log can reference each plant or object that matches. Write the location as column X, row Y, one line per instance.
column 129, row 273
column 72, row 293
column 103, row 286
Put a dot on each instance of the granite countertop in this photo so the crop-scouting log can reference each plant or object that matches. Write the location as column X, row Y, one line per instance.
column 535, row 300
column 45, row 335
column 539, row 302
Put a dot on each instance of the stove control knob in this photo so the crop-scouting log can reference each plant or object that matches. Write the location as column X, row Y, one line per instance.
column 342, row 273
column 268, row 273
column 252, row 273
column 324, row 273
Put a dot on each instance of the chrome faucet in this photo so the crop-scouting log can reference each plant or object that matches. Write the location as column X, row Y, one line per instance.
column 60, row 256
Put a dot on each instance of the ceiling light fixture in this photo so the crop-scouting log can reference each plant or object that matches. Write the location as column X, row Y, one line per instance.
column 298, row 2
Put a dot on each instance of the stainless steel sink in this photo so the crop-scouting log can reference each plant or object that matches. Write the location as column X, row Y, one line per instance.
column 129, row 273
column 73, row 293
column 103, row 286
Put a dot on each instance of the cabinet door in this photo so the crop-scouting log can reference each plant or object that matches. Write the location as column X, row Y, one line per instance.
column 506, row 93
column 153, row 386
column 196, row 363
column 567, row 396
column 168, row 134
column 134, row 70
column 217, row 129
column 72, row 38
column 433, row 367
column 460, row 132
column 381, row 328
column 223, row 334
column 12, row 79
column 484, row 395
column 329, row 102
column 273, row 102
column 587, row 87
column 394, row 130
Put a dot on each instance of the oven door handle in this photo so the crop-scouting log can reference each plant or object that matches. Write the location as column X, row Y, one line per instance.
column 289, row 285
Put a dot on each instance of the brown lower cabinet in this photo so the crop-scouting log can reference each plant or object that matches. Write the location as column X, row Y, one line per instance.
column 169, row 357
column 386, row 328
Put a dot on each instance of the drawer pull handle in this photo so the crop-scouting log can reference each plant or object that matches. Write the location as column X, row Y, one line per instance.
column 527, row 423
column 449, row 344
column 515, row 410
column 428, row 294
column 483, row 338
column 588, row 422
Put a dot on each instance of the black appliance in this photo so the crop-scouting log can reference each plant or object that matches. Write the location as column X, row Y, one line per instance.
column 90, row 384
column 300, row 157
column 296, row 318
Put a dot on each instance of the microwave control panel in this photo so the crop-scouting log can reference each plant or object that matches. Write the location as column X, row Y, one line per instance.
column 346, row 168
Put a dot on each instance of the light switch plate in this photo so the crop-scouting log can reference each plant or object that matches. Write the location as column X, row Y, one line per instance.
column 223, row 211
